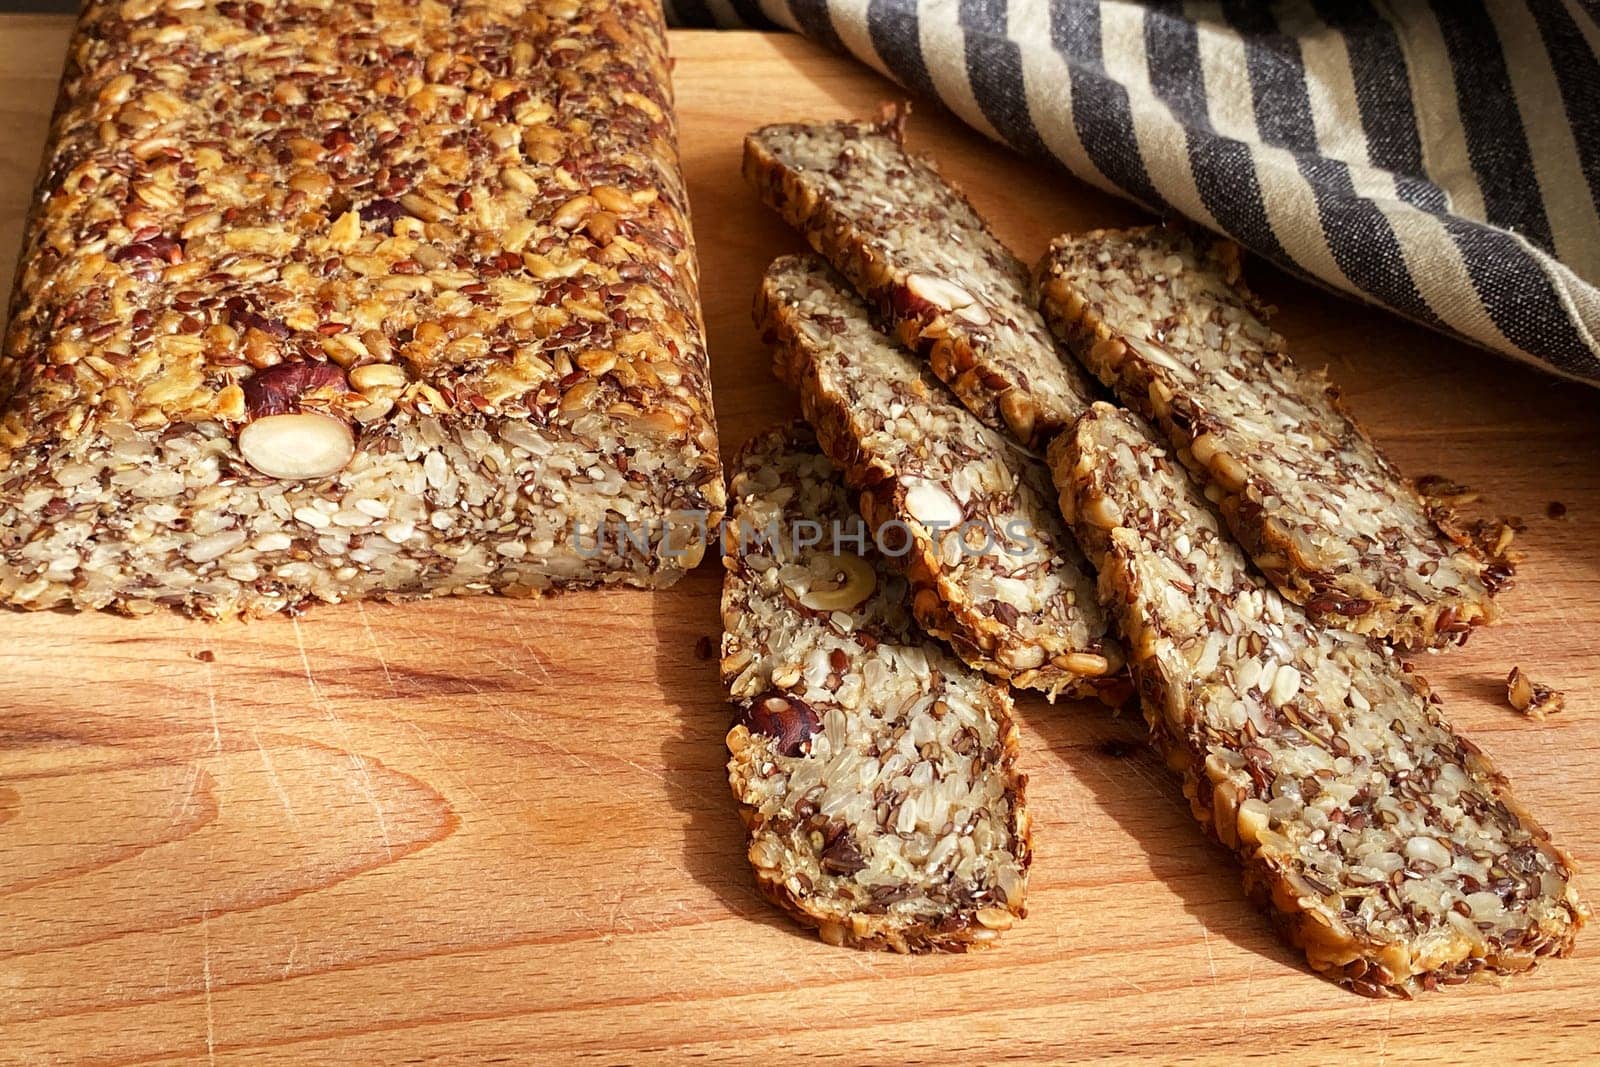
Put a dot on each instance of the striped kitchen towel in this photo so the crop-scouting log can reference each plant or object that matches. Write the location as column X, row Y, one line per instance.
column 1441, row 160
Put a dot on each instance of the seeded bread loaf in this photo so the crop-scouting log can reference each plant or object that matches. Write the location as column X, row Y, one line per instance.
column 1384, row 843
column 926, row 262
column 994, row 571
column 876, row 775
column 329, row 301
column 1164, row 319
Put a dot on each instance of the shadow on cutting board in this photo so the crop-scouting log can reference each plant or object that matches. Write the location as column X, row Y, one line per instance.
column 1067, row 749
column 1087, row 764
column 694, row 758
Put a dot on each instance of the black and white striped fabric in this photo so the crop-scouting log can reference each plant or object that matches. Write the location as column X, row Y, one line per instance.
column 1442, row 160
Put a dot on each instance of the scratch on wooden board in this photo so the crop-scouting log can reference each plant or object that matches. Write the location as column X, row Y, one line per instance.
column 357, row 761
column 524, row 723
column 538, row 660
column 445, row 761
column 522, row 639
column 288, row 964
column 1211, row 961
column 1244, row 1001
column 211, row 698
column 567, row 752
column 377, row 649
column 211, row 1015
column 512, row 667
column 272, row 775
column 616, row 911
column 359, row 764
column 469, row 683
column 181, row 810
column 641, row 768
column 427, row 640
column 305, row 661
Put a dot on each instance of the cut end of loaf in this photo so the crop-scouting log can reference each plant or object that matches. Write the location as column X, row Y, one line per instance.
column 133, row 519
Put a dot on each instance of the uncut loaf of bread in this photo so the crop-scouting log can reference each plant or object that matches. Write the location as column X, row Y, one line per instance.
column 1385, row 844
column 875, row 773
column 331, row 300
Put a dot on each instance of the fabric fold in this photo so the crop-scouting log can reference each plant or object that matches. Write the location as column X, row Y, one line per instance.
column 1435, row 159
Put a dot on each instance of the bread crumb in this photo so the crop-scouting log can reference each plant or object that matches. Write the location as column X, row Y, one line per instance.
column 1529, row 697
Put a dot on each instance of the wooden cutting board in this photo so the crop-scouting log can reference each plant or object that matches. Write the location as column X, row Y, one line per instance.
column 484, row 829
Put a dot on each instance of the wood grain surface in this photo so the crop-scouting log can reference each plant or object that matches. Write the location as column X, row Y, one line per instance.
column 499, row 831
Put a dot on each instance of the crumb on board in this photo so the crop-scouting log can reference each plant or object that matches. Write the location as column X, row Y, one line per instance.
column 1529, row 697
column 1119, row 748
column 1444, row 492
column 1493, row 538
column 1502, row 540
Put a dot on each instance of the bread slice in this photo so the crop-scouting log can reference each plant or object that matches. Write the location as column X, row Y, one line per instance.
column 925, row 261
column 876, row 774
column 1384, row 843
column 1163, row 318
column 994, row 570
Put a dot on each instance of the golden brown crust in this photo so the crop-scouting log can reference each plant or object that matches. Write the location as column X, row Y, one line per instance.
column 1165, row 319
column 875, row 775
column 927, row 263
column 412, row 220
column 1022, row 609
column 1379, row 840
